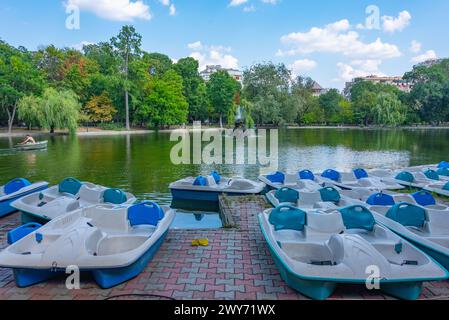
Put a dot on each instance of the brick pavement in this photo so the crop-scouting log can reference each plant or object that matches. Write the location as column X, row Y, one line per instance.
column 236, row 265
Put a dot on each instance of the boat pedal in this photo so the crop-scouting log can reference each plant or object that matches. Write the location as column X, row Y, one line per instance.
column 321, row 263
column 410, row 263
column 90, row 224
column 43, row 203
column 26, row 253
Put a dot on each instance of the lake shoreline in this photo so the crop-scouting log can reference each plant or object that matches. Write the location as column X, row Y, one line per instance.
column 92, row 132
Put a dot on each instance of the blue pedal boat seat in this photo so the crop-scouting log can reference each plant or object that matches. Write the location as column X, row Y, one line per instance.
column 358, row 217
column 70, row 186
column 306, row 175
column 380, row 199
column 15, row 185
column 287, row 195
column 277, row 177
column 114, row 196
column 331, row 174
column 443, row 164
column 285, row 217
column 200, row 181
column 405, row 176
column 145, row 213
column 443, row 172
column 330, row 194
column 216, row 176
column 360, row 173
column 408, row 215
column 432, row 175
column 22, row 231
column 424, row 198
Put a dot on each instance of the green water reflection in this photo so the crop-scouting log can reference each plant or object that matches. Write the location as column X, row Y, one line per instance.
column 141, row 163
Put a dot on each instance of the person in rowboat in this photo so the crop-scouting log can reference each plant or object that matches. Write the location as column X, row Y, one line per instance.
column 28, row 140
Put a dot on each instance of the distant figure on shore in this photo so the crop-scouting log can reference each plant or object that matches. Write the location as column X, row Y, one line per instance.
column 28, row 140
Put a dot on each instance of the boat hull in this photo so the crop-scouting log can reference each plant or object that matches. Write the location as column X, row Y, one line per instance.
column 105, row 278
column 201, row 195
column 5, row 206
column 321, row 289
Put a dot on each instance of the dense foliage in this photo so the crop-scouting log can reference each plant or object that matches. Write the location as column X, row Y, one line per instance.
column 116, row 83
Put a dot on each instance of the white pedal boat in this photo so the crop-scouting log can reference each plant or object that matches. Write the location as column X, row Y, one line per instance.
column 304, row 180
column 359, row 178
column 211, row 187
column 411, row 179
column 114, row 243
column 426, row 228
column 69, row 195
column 315, row 251
column 327, row 198
column 388, row 199
column 16, row 189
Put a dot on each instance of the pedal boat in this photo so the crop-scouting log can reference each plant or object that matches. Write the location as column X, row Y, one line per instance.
column 16, row 189
column 316, row 251
column 304, row 180
column 114, row 243
column 68, row 196
column 211, row 187
column 358, row 178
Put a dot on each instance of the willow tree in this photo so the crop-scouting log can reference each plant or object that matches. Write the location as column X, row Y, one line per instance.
column 54, row 110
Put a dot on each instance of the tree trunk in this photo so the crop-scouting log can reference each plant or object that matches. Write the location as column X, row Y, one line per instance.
column 11, row 116
column 127, row 110
column 127, row 95
column 52, row 130
column 221, row 121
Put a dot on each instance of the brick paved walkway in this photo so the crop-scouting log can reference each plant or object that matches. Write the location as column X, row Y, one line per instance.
column 236, row 265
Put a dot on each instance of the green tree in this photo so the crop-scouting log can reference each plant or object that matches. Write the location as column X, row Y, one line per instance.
column 18, row 77
column 194, row 88
column 389, row 110
column 54, row 110
column 127, row 44
column 430, row 94
column 100, row 108
column 330, row 104
column 222, row 90
column 165, row 104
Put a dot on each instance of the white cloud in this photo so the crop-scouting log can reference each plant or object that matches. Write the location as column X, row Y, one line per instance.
column 80, row 46
column 428, row 55
column 337, row 37
column 270, row 1
column 212, row 55
column 116, row 10
column 358, row 68
column 392, row 24
column 415, row 46
column 236, row 3
column 165, row 2
column 300, row 66
column 172, row 9
column 195, row 45
column 250, row 8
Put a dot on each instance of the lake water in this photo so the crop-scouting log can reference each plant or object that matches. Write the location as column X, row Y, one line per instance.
column 141, row 163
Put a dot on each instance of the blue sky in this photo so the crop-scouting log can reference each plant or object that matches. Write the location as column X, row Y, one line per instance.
column 328, row 40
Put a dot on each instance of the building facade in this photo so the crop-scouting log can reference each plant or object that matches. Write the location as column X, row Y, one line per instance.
column 211, row 69
column 398, row 82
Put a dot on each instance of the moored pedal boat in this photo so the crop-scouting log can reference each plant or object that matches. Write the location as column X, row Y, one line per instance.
column 114, row 243
column 16, row 189
column 315, row 251
column 304, row 180
column 69, row 195
column 426, row 228
column 211, row 187
column 358, row 178
column 327, row 198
